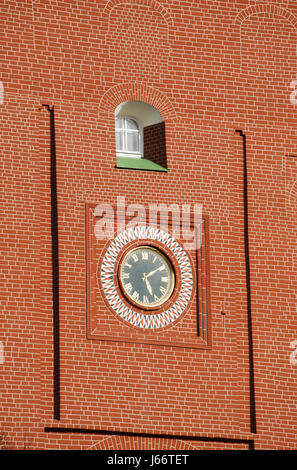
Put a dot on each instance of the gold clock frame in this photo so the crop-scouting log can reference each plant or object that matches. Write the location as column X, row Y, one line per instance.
column 154, row 305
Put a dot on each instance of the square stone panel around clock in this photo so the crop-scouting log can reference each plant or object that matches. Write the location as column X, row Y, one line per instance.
column 144, row 286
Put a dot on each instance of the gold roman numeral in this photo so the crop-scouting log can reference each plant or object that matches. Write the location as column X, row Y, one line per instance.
column 128, row 287
column 135, row 295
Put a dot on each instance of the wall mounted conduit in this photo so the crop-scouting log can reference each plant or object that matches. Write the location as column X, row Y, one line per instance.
column 55, row 263
column 248, row 288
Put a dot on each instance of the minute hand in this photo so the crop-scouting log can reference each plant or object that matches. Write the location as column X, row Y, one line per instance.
column 155, row 270
column 149, row 287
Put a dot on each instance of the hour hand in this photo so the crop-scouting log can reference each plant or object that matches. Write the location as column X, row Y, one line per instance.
column 155, row 270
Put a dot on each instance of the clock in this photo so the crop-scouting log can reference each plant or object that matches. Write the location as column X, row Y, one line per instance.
column 147, row 277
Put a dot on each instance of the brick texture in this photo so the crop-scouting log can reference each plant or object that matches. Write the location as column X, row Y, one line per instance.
column 209, row 68
column 154, row 144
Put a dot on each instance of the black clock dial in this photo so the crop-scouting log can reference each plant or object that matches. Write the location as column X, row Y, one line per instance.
column 147, row 276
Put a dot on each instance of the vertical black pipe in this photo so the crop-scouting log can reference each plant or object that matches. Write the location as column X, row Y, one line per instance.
column 248, row 288
column 55, row 263
column 197, row 279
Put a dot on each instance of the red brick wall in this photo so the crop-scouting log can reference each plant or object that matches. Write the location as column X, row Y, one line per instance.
column 209, row 68
column 154, row 143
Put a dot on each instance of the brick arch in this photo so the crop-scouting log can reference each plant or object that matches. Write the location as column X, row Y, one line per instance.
column 136, row 92
column 140, row 443
column 141, row 30
column 151, row 3
column 273, row 10
column 292, row 196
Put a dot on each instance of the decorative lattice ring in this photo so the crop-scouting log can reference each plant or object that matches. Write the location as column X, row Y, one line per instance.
column 128, row 314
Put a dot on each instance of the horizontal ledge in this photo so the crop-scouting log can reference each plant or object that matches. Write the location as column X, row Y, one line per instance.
column 138, row 164
column 181, row 437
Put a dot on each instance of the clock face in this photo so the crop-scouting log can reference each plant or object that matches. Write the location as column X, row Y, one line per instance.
column 146, row 276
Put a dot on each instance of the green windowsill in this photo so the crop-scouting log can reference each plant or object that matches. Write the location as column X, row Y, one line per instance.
column 138, row 164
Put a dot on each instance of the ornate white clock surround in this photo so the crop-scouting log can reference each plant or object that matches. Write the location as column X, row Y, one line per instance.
column 134, row 318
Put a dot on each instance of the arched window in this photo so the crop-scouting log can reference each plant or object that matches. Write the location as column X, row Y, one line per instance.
column 140, row 134
column 128, row 137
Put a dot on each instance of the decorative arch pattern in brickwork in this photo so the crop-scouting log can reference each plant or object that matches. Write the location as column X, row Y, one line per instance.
column 271, row 9
column 150, row 3
column 267, row 42
column 136, row 92
column 137, row 40
column 140, row 443
column 292, row 196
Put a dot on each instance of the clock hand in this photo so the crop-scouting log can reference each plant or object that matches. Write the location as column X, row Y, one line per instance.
column 153, row 272
column 149, row 287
